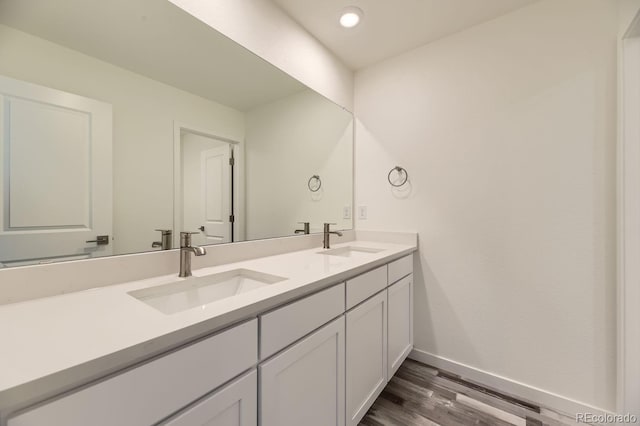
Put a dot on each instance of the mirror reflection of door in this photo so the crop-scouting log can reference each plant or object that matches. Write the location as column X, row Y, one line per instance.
column 55, row 175
column 207, row 188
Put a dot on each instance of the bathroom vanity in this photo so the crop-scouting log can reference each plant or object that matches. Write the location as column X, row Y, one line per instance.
column 307, row 337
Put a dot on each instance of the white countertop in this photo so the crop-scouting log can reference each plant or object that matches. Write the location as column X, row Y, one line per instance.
column 55, row 343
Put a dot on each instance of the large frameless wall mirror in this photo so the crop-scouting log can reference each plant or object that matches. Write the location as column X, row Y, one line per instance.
column 124, row 122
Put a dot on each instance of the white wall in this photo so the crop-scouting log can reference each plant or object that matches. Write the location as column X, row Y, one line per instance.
column 508, row 133
column 288, row 141
column 261, row 27
column 143, row 114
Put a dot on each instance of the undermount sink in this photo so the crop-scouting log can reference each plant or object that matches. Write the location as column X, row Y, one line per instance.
column 350, row 251
column 198, row 291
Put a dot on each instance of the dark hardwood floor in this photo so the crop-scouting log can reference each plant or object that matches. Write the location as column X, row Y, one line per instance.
column 422, row 395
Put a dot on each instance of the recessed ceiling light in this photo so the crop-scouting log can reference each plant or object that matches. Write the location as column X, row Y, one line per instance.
column 350, row 17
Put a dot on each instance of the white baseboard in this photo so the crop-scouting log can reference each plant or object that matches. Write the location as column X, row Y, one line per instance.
column 540, row 397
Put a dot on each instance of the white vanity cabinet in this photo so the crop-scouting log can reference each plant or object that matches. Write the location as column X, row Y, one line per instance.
column 366, row 356
column 304, row 384
column 236, row 404
column 321, row 360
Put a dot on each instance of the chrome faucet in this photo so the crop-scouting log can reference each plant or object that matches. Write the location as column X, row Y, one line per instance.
column 185, row 253
column 327, row 232
column 304, row 230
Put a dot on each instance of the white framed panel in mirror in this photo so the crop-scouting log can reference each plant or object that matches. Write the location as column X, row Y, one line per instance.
column 56, row 185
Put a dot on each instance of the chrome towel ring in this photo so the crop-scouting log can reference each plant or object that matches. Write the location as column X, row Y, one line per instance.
column 314, row 183
column 402, row 174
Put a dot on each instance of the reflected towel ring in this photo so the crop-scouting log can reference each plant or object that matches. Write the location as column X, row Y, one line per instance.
column 400, row 171
column 314, row 183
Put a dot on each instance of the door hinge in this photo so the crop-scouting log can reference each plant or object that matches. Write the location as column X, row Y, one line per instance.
column 232, row 218
column 232, row 161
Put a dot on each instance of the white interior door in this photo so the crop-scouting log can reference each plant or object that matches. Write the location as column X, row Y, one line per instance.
column 215, row 207
column 205, row 188
column 56, row 180
column 629, row 229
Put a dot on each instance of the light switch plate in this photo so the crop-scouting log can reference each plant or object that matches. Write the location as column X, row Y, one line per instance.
column 346, row 212
column 362, row 212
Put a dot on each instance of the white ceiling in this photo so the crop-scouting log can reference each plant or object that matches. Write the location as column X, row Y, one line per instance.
column 391, row 27
column 156, row 39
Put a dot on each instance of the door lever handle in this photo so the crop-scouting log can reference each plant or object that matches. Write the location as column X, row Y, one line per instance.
column 101, row 240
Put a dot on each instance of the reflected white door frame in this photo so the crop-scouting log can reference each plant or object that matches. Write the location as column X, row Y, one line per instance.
column 238, row 175
column 629, row 223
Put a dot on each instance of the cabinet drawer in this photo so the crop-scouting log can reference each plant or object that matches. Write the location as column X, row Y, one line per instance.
column 149, row 393
column 284, row 326
column 400, row 268
column 365, row 285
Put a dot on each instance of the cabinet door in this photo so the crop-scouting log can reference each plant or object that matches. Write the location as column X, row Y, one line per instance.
column 234, row 405
column 400, row 323
column 304, row 385
column 366, row 355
